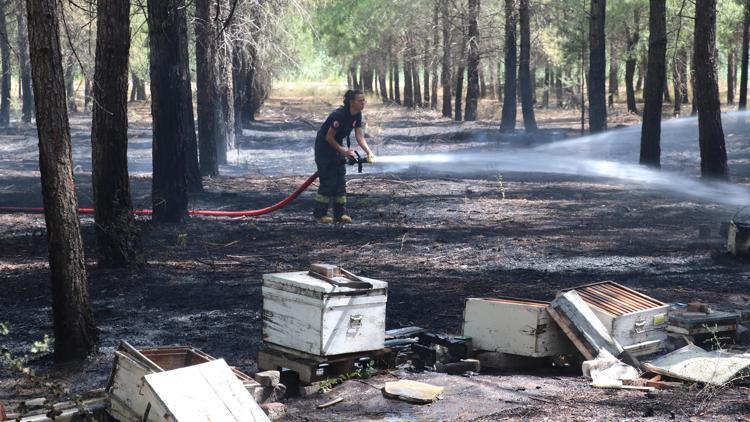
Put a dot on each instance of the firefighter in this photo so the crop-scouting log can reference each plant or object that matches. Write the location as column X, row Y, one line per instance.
column 331, row 155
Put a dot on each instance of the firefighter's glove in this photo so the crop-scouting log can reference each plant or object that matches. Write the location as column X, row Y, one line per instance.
column 371, row 158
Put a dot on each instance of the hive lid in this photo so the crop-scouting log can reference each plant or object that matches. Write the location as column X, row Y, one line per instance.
column 302, row 280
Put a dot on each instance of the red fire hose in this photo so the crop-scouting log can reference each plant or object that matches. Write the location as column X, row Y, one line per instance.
column 246, row 213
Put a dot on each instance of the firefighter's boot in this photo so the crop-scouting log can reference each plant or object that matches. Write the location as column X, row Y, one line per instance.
column 320, row 212
column 339, row 213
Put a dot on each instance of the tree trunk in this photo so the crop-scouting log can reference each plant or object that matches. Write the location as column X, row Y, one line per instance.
column 472, row 62
column 614, row 83
column 667, row 95
column 547, row 79
column 524, row 76
column 445, row 74
column 426, row 59
column 508, row 120
column 133, row 92
column 710, row 132
column 655, row 81
column 353, row 75
column 382, row 66
column 207, row 94
column 457, row 111
column 390, row 79
column 744, row 57
column 396, row 87
column 408, row 89
column 694, row 103
column 27, row 96
column 226, row 92
column 74, row 328
column 415, row 82
column 641, row 73
column 730, row 77
column 676, row 85
column 116, row 237
column 170, row 98
column 683, row 70
column 559, row 88
column 631, row 61
column 597, row 67
column 70, row 91
column 5, row 53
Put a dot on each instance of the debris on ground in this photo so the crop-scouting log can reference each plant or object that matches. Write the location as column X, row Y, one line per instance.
column 606, row 371
column 691, row 363
column 330, row 403
column 412, row 391
column 703, row 326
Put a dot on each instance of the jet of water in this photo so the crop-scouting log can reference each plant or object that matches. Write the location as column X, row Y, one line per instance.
column 599, row 156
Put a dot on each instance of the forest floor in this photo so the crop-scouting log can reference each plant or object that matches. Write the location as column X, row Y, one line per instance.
column 436, row 234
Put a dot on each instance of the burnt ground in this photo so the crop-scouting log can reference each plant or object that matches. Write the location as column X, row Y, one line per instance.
column 436, row 236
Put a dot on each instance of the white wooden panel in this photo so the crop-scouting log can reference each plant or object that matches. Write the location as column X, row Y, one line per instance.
column 515, row 328
column 349, row 329
column 290, row 320
column 205, row 392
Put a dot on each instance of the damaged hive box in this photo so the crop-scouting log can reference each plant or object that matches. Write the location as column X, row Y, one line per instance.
column 326, row 311
column 515, row 326
column 636, row 321
column 127, row 380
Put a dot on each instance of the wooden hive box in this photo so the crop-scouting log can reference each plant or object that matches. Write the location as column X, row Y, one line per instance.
column 637, row 321
column 516, row 326
column 126, row 382
column 310, row 315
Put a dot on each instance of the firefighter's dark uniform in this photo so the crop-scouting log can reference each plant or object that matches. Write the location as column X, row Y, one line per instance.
column 331, row 165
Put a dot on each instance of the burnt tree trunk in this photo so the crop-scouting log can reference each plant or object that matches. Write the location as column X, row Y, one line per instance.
column 655, row 81
column 74, row 327
column 472, row 62
column 597, row 67
column 694, row 103
column 208, row 108
column 227, row 136
column 27, row 96
column 683, row 70
column 744, row 58
column 508, row 119
column 710, row 132
column 445, row 74
column 170, row 98
column 524, row 74
column 5, row 53
column 667, row 95
column 390, row 79
column 116, row 238
column 547, row 81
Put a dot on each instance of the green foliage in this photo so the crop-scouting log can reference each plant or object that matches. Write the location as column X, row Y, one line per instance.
column 361, row 373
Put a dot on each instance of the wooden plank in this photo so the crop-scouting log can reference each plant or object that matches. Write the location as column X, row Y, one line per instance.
column 207, row 391
column 583, row 328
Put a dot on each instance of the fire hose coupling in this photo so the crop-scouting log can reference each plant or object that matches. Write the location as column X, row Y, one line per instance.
column 358, row 160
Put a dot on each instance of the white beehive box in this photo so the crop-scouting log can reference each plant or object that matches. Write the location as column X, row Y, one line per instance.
column 516, row 326
column 310, row 315
column 637, row 321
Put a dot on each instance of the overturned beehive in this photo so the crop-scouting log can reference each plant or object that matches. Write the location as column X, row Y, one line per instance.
column 516, row 326
column 637, row 321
